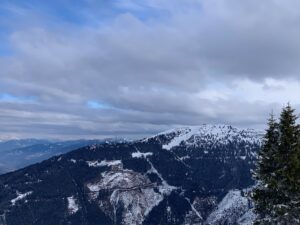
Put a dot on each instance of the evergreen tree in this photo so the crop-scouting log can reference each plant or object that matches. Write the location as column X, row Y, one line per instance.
column 265, row 192
column 287, row 209
column 277, row 195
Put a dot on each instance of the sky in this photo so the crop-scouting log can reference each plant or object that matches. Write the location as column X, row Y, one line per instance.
column 131, row 68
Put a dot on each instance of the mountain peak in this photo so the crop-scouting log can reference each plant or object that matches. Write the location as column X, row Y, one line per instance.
column 211, row 135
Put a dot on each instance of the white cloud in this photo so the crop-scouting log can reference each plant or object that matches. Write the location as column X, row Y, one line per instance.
column 205, row 61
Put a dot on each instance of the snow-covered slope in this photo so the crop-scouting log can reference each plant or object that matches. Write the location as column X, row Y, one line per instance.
column 129, row 189
column 185, row 176
column 208, row 136
column 235, row 207
column 206, row 141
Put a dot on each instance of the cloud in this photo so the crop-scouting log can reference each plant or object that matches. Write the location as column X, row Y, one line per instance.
column 138, row 67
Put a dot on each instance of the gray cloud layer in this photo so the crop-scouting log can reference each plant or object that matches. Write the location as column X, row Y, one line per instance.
column 196, row 64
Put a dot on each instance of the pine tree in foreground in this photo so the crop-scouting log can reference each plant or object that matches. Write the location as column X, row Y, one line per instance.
column 288, row 173
column 277, row 194
column 265, row 192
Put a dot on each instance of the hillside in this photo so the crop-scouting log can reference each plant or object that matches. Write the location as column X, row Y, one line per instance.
column 190, row 175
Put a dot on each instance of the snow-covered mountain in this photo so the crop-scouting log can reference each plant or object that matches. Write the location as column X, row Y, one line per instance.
column 190, row 175
column 208, row 136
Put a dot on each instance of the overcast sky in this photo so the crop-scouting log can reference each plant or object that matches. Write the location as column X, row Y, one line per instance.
column 100, row 68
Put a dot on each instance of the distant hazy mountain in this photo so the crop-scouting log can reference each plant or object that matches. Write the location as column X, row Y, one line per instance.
column 192, row 175
column 19, row 143
column 7, row 146
column 16, row 154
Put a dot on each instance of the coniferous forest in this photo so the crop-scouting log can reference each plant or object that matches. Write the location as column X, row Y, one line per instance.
column 277, row 193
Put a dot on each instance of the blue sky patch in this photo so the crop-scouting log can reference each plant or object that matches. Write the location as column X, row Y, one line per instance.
column 5, row 97
column 98, row 105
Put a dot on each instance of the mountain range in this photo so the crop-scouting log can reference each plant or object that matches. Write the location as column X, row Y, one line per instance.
column 190, row 175
column 16, row 154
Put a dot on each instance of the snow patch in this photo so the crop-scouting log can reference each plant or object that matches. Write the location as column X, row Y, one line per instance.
column 93, row 147
column 184, row 157
column 248, row 218
column 194, row 209
column 165, row 188
column 232, row 207
column 141, row 154
column 104, row 163
column 19, row 197
column 183, row 136
column 72, row 205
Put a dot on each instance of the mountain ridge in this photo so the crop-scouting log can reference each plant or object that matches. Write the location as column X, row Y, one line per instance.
column 138, row 182
column 16, row 154
column 218, row 132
